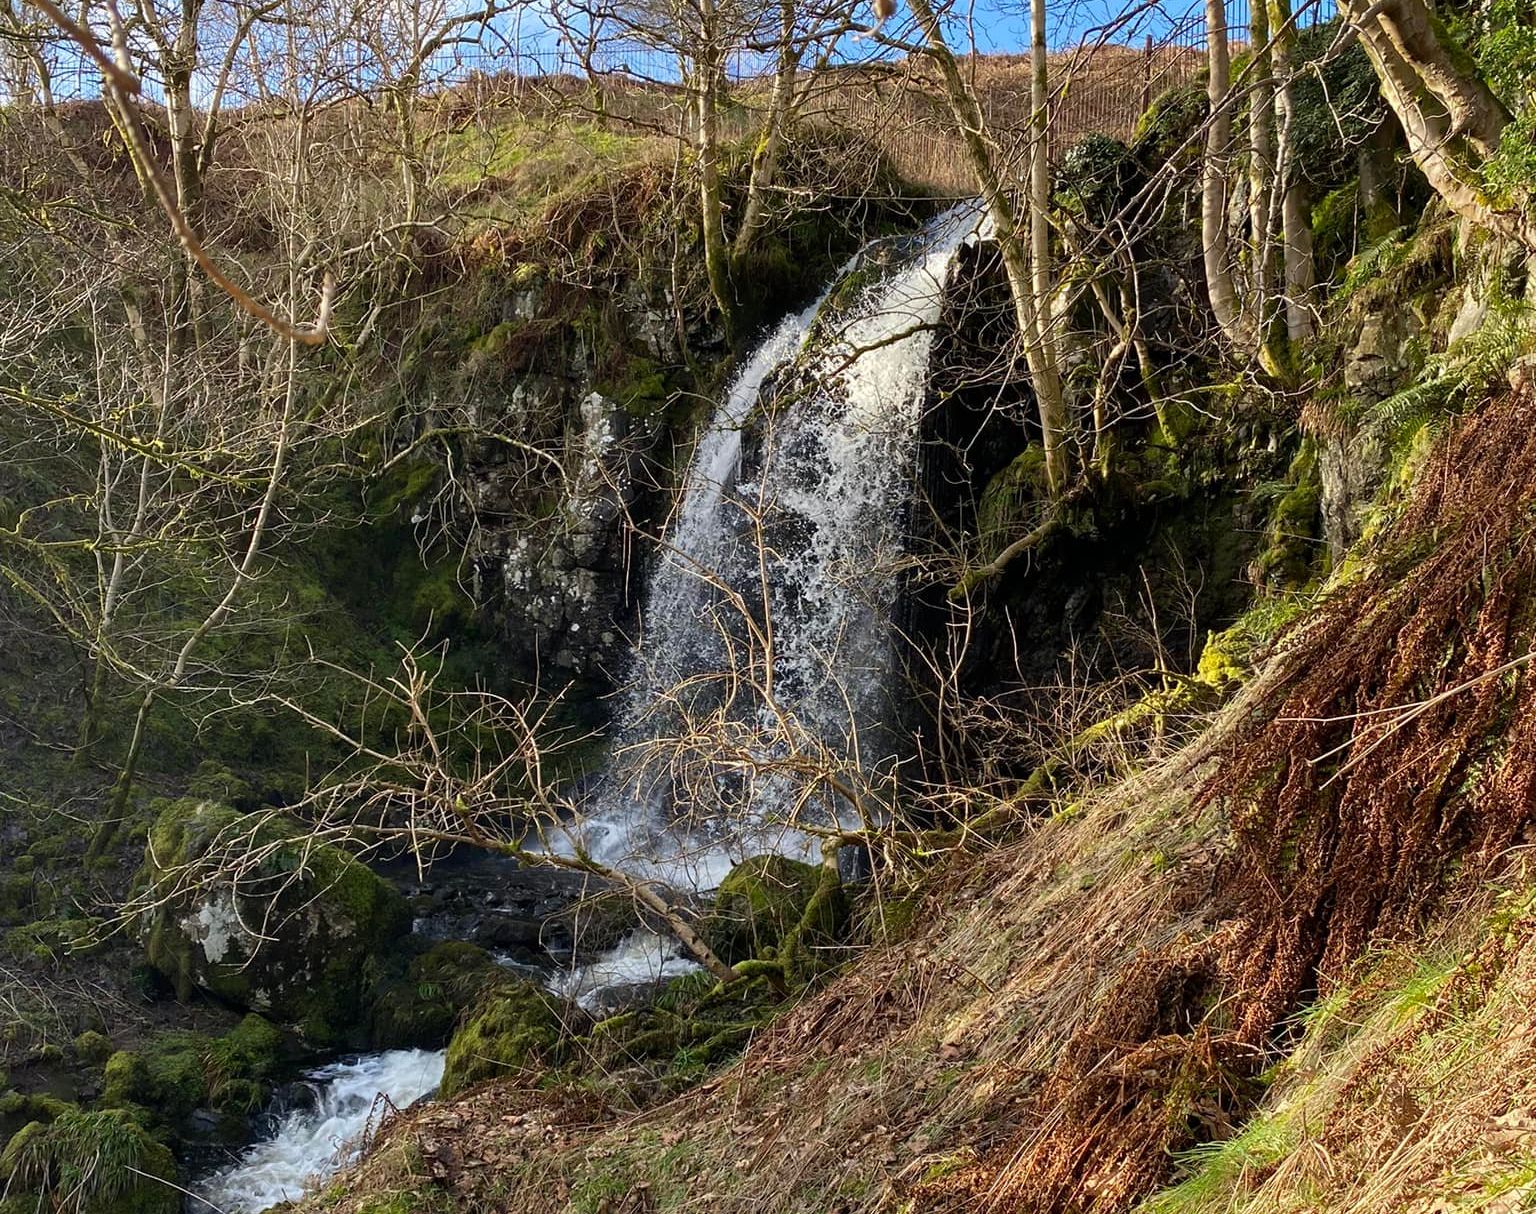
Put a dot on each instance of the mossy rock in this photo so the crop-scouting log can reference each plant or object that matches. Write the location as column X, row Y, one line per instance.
column 421, row 1008
column 515, row 1027
column 1169, row 126
column 92, row 1048
column 177, row 1072
column 101, row 1162
column 1295, row 526
column 253, row 1049
column 170, row 1075
column 19, row 1108
column 760, row 903
column 330, row 922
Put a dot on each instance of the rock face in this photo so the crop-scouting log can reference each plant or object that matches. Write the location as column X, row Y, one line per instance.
column 106, row 1161
column 420, row 1008
column 596, row 381
column 565, row 590
column 524, row 914
column 1352, row 461
column 326, row 923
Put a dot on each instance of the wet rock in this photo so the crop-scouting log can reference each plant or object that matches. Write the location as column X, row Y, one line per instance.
column 420, row 1008
column 327, row 919
column 527, row 914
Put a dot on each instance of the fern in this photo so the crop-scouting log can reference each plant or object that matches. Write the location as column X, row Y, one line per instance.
column 1373, row 261
column 1460, row 376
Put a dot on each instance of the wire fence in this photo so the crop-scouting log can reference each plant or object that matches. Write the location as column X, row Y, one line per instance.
column 1102, row 84
column 1099, row 84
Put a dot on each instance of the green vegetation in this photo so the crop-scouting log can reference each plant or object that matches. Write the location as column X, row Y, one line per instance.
column 509, row 1033
column 92, row 1163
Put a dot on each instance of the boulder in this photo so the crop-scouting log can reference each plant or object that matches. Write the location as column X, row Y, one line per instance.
column 760, row 903
column 516, row 1026
column 421, row 1008
column 326, row 921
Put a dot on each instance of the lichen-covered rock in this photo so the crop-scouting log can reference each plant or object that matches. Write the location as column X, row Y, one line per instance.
column 513, row 1028
column 327, row 920
column 761, row 902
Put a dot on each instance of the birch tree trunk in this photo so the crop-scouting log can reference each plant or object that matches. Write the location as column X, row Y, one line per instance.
column 1262, row 278
column 1451, row 118
column 1023, row 285
column 709, row 66
column 1052, row 405
column 765, row 160
column 1219, row 284
column 1295, row 210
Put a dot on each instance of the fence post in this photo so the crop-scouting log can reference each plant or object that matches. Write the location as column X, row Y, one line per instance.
column 1146, row 76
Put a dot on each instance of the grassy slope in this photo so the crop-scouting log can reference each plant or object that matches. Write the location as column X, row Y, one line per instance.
column 944, row 1072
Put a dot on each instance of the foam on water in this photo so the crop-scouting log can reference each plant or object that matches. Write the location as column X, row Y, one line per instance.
column 640, row 959
column 311, row 1144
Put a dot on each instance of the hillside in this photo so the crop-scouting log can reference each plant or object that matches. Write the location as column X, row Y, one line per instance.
column 767, row 645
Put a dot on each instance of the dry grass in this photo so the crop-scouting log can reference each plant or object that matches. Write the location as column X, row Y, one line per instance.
column 1278, row 970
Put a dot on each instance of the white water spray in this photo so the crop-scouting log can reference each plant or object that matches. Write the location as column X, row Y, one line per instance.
column 311, row 1144
column 794, row 536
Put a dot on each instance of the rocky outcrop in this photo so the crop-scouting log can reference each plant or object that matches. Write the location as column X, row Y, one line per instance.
column 295, row 936
column 564, row 589
column 595, row 370
column 1353, row 458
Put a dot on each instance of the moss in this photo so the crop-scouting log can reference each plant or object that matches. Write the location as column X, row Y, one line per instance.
column 252, row 1049
column 213, row 781
column 174, row 1073
column 421, row 1008
column 411, row 1201
column 1334, row 224
column 169, row 1075
column 101, row 1162
column 1007, row 497
column 1169, row 124
column 328, row 928
column 50, row 941
column 512, row 1029
column 92, row 1048
column 761, row 902
column 642, row 388
column 1294, row 528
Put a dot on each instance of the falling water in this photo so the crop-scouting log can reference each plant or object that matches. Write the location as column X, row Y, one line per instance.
column 312, row 1143
column 767, row 618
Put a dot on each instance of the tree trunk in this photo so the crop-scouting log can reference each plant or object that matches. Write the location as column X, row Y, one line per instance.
column 1295, row 209
column 1045, row 375
column 1052, row 405
column 765, row 161
column 1219, row 285
column 1262, row 214
column 711, row 207
column 1451, row 118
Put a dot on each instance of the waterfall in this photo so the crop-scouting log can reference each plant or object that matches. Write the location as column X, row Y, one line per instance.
column 766, row 629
